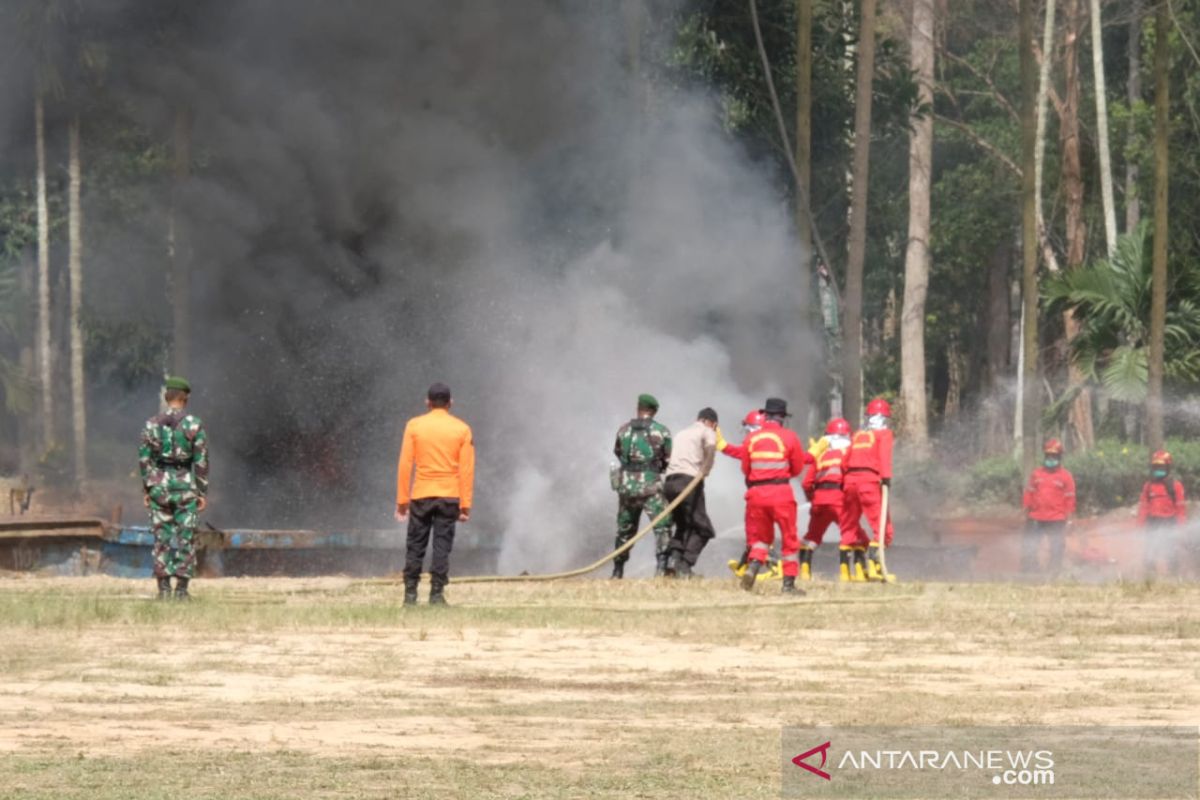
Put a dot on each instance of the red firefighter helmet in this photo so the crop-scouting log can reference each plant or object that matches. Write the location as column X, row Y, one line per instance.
column 837, row 427
column 754, row 419
column 1052, row 447
column 1161, row 458
column 879, row 406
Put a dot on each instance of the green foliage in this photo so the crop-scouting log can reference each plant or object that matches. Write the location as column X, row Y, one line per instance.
column 1111, row 300
column 995, row 481
column 127, row 352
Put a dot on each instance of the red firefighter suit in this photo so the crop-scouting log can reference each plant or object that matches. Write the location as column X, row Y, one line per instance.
column 823, row 487
column 867, row 465
column 771, row 457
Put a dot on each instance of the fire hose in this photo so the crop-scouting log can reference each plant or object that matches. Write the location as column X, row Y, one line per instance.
column 556, row 576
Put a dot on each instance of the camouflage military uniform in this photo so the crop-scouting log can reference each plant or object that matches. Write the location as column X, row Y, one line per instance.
column 643, row 447
column 173, row 461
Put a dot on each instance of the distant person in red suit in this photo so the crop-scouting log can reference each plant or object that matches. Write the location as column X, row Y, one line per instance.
column 1162, row 509
column 1049, row 503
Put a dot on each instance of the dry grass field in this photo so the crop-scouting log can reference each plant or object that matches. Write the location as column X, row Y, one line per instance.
column 286, row 688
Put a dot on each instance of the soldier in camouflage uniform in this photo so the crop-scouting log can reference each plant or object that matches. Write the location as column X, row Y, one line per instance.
column 643, row 449
column 173, row 462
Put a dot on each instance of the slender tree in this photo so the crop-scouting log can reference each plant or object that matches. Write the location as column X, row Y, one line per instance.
column 75, row 272
column 1106, row 186
column 1073, row 189
column 803, row 158
column 864, row 80
column 1158, row 285
column 45, row 356
column 1029, row 239
column 1133, row 211
column 177, row 244
column 804, row 18
column 916, row 260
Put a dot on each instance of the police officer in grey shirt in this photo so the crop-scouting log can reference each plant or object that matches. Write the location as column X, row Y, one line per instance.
column 692, row 454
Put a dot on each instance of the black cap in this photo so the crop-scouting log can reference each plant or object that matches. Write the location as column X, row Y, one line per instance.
column 707, row 414
column 439, row 393
column 775, row 407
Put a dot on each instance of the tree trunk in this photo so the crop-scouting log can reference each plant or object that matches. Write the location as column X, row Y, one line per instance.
column 1076, row 226
column 44, row 354
column 916, row 258
column 804, row 10
column 852, row 349
column 1029, row 241
column 1133, row 211
column 1106, row 187
column 1158, row 292
column 954, row 378
column 177, row 245
column 998, row 329
column 803, row 159
column 1043, row 89
column 75, row 271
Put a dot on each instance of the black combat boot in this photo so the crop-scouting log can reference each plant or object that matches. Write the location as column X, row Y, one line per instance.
column 181, row 592
column 789, row 586
column 410, row 591
column 751, row 575
column 164, row 588
column 663, row 569
column 436, row 588
column 683, row 569
column 618, row 570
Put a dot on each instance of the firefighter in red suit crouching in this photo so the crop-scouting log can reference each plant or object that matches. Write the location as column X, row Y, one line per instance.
column 868, row 468
column 1049, row 502
column 771, row 457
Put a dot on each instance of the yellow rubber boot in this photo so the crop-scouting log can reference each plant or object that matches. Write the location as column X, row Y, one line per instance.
column 845, row 554
column 805, row 571
column 860, row 566
column 874, row 573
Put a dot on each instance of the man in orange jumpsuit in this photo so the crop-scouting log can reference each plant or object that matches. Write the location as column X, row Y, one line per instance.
column 750, row 423
column 1049, row 501
column 439, row 447
column 772, row 456
column 823, row 487
column 1162, row 508
column 868, row 468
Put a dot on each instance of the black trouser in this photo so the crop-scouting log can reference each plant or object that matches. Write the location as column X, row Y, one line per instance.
column 693, row 528
column 436, row 515
column 1056, row 531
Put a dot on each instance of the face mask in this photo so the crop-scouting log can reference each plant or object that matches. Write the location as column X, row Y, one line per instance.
column 752, row 429
column 838, row 443
column 1051, row 463
column 1158, row 474
column 877, row 422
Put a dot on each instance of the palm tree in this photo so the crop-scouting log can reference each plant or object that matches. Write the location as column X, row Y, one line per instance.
column 1111, row 300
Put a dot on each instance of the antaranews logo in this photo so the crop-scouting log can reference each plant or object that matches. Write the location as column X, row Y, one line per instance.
column 1008, row 767
column 823, row 749
column 929, row 762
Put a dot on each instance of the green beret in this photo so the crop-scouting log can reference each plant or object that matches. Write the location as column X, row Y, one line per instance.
column 647, row 401
column 175, row 382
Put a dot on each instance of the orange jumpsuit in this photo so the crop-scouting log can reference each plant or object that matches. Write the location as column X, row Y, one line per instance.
column 772, row 456
column 867, row 465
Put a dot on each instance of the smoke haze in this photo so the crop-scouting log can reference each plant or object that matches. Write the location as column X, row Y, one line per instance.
column 389, row 194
